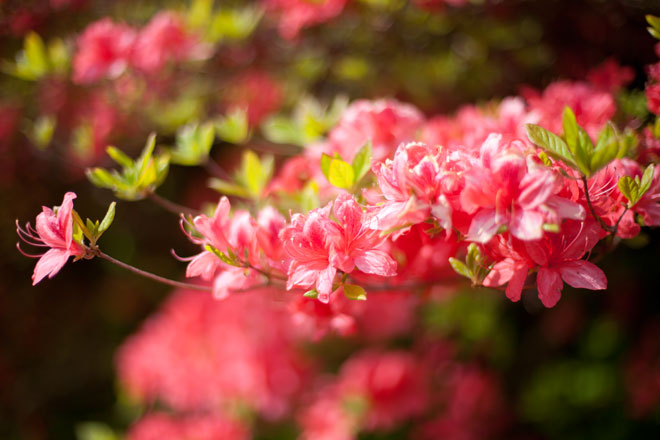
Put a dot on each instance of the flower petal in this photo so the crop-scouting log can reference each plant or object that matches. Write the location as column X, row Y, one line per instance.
column 549, row 284
column 49, row 264
column 583, row 275
column 483, row 226
column 376, row 262
column 527, row 225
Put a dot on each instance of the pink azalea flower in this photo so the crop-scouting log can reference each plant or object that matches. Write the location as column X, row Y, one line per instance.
column 159, row 426
column 411, row 184
column 558, row 258
column 306, row 242
column 386, row 123
column 162, row 40
column 317, row 246
column 213, row 231
column 592, row 107
column 104, row 51
column 54, row 229
column 241, row 235
column 197, row 354
column 326, row 418
column 394, row 385
column 356, row 245
column 258, row 93
column 294, row 15
column 502, row 189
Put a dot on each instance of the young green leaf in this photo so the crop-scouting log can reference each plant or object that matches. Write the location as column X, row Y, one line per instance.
column 341, row 174
column 231, row 189
column 570, row 126
column 362, row 161
column 552, row 144
column 460, row 267
column 311, row 294
column 107, row 219
column 629, row 187
column 355, row 292
column 325, row 164
column 654, row 23
column 233, row 128
column 647, row 180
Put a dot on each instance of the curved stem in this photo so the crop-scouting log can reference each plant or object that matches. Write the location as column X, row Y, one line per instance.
column 216, row 170
column 98, row 253
column 170, row 206
column 607, row 228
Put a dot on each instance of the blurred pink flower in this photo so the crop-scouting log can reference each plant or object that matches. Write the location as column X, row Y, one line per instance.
column 294, row 15
column 161, row 426
column 104, row 51
column 162, row 40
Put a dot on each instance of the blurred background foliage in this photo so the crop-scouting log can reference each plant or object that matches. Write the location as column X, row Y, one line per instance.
column 564, row 368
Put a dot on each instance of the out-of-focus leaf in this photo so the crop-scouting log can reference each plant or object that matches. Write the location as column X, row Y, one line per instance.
column 362, row 161
column 234, row 127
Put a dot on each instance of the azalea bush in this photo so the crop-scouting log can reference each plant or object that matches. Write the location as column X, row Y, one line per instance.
column 358, row 241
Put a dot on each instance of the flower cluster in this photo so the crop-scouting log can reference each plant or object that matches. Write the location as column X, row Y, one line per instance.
column 106, row 49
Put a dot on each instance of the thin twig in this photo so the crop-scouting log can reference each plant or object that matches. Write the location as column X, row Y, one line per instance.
column 607, row 228
column 98, row 253
column 216, row 170
column 170, row 206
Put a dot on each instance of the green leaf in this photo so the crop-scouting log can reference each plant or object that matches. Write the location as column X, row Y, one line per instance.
column 309, row 197
column 143, row 161
column 545, row 159
column 224, row 187
column 193, row 144
column 325, row 165
column 233, row 128
column 341, row 174
column 473, row 258
column 655, row 25
column 570, row 125
column 199, row 13
column 59, row 56
column 228, row 258
column 35, row 56
column 282, row 130
column 355, row 292
column 101, row 178
column 629, row 187
column 42, row 131
column 118, row 156
column 107, row 219
column 255, row 173
column 647, row 180
column 606, row 150
column 311, row 294
column 95, row 431
column 552, row 144
column 362, row 161
column 460, row 267
column 235, row 24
